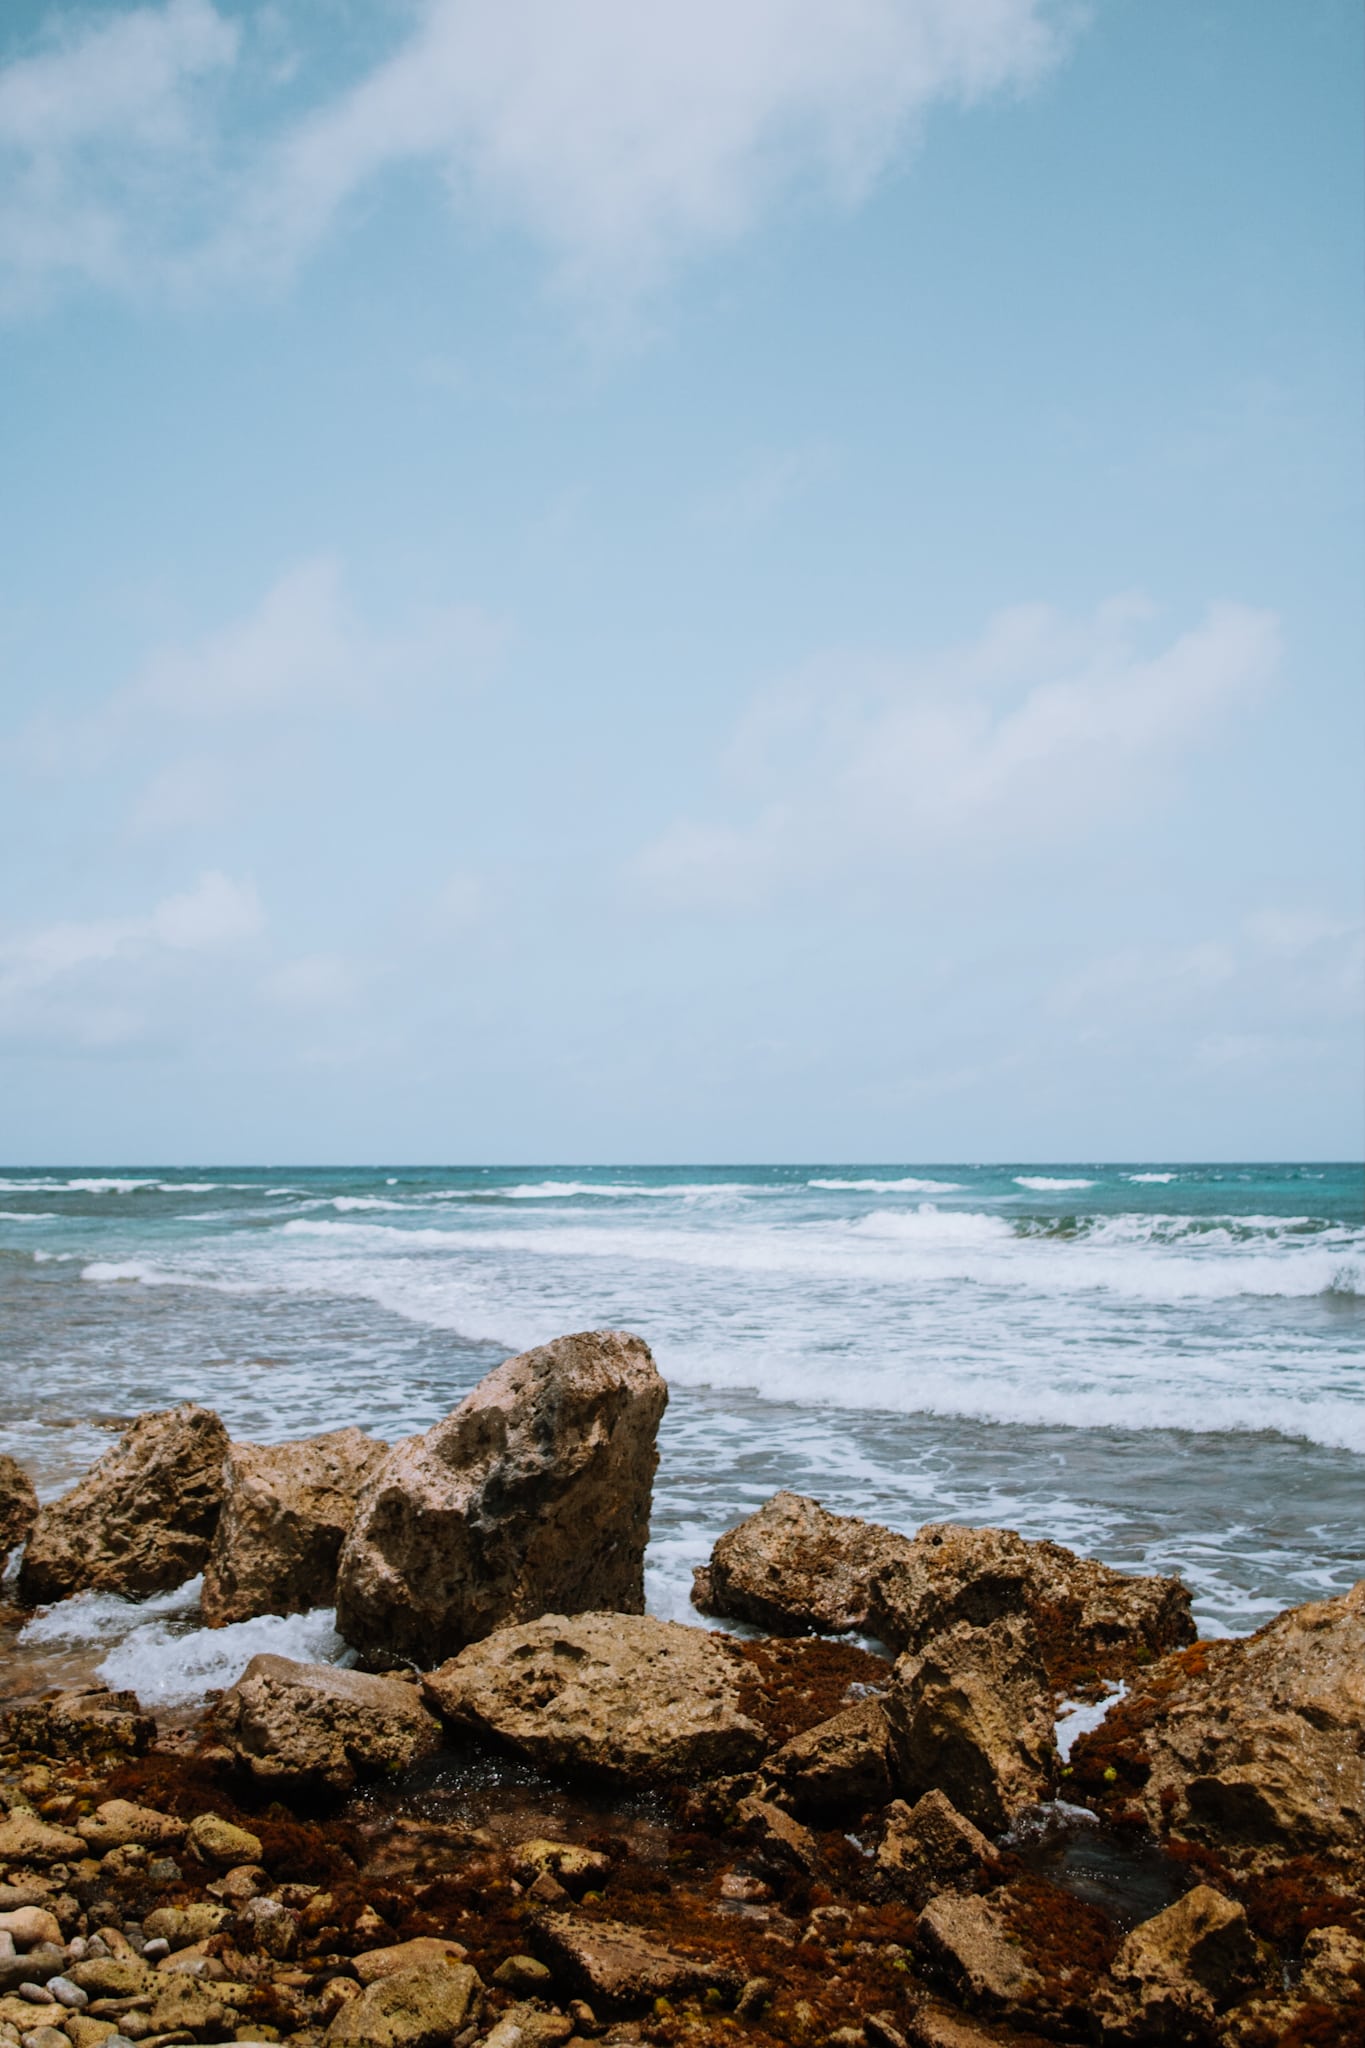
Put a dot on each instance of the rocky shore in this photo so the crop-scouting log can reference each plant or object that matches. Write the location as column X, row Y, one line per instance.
column 531, row 1814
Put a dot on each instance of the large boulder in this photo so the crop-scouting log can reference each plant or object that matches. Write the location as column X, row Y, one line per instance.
column 1254, row 1745
column 286, row 1511
column 532, row 1498
column 143, row 1517
column 1091, row 1621
column 1179, row 1969
column 971, row 1715
column 316, row 1727
column 615, row 1694
column 18, row 1506
column 793, row 1568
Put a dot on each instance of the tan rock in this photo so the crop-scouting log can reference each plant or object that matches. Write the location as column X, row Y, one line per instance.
column 619, row 1694
column 422, row 2008
column 1088, row 1617
column 931, row 2025
column 314, row 1725
column 1254, row 1744
column 532, row 1498
column 971, row 1715
column 28, row 1925
column 778, row 1839
column 529, row 2026
column 89, row 1722
column 18, row 1506
column 842, row 1765
column 222, row 1842
column 111, row 1977
column 930, row 1847
column 26, row 1839
column 794, row 1567
column 183, row 1926
column 117, row 1822
column 423, row 1952
column 621, row 1966
column 1332, row 1965
column 1176, row 1971
column 141, row 1519
column 286, row 1511
column 44, row 1960
column 84, row 2032
column 966, row 1942
column 577, row 1869
column 206, row 2010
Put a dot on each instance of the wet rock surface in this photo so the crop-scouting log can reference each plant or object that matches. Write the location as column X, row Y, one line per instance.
column 18, row 1506
column 533, row 1497
column 141, row 1520
column 794, row 1566
column 286, row 1510
column 314, row 1727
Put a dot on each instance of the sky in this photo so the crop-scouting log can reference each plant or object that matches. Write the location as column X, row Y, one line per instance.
column 620, row 582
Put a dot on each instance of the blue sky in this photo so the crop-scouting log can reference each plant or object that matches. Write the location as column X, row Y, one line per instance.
column 637, row 583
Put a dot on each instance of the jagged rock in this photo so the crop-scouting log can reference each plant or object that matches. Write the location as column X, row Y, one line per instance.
column 931, row 2025
column 18, row 1506
column 186, row 2005
column 142, row 1518
column 794, row 1568
column 619, row 1694
column 1176, row 1971
column 778, row 1839
column 841, row 1765
column 1332, row 1966
column 1254, row 1744
column 532, row 1498
column 971, row 1716
column 117, row 1822
column 1089, row 1618
column 420, row 1953
column 967, row 1943
column 286, row 1511
column 88, row 1722
column 929, row 1848
column 111, row 1977
column 314, row 1725
column 621, row 1966
column 422, row 2008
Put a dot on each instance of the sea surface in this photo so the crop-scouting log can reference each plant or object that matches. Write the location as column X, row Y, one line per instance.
column 1160, row 1365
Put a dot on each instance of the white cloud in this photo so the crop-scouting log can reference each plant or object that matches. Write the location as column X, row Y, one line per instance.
column 319, row 981
column 1028, row 736
column 620, row 135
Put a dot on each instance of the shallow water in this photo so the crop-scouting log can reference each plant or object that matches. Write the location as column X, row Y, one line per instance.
column 1158, row 1365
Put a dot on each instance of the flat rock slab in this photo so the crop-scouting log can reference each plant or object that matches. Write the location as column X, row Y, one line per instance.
column 617, row 1694
column 422, row 2008
column 317, row 1726
column 622, row 1967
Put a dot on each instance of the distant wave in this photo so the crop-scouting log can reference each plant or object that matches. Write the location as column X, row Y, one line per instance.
column 890, row 1187
column 1155, row 1180
column 1043, row 1184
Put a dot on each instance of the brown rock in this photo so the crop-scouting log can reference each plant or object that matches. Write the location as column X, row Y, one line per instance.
column 794, row 1568
column 532, row 1498
column 313, row 1725
column 141, row 1519
column 26, row 1839
column 529, row 2026
column 778, row 1838
column 967, row 1943
column 18, row 1506
column 420, row 1953
column 110, row 1977
column 85, row 1723
column 183, row 1926
column 929, row 1848
column 28, row 1925
column 422, row 2008
column 222, row 1843
column 621, row 1966
column 1254, row 1744
column 1090, row 1620
column 1333, row 1965
column 619, row 1694
column 841, row 1765
column 576, row 1869
column 1176, row 1971
column 937, row 2026
column 286, row 1511
column 118, row 1822
column 971, row 1716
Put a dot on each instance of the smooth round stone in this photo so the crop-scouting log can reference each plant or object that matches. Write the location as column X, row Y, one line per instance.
column 36, row 1994
column 45, row 2037
column 68, row 1994
column 156, row 1948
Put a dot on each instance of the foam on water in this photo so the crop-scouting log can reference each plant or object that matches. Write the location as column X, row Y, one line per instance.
column 1044, row 1184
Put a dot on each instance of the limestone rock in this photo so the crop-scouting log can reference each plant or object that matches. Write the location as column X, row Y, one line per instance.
column 794, row 1567
column 422, row 2008
column 88, row 1722
column 184, row 1926
column 424, row 1950
column 26, row 1926
column 1088, row 1617
column 222, row 1843
column 141, row 1519
column 314, row 1725
column 529, row 2026
column 117, row 1822
column 967, row 1943
column 779, row 1841
column 532, row 1498
column 111, row 1977
column 1176, row 1971
column 621, row 1966
column 43, row 1961
column 286, row 1511
column 575, row 1868
column 18, row 1506
column 970, row 1715
column 1333, row 1965
column 1254, row 1744
column 930, row 1848
column 841, row 1765
column 26, row 1839
column 618, row 1694
column 931, row 2025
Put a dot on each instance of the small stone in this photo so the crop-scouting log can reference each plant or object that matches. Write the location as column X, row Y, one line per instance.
column 36, row 1994
column 68, row 1994
column 547, row 1890
column 423, row 1952
column 584, row 2018
column 522, row 1973
column 45, row 2037
column 30, row 1925
column 156, row 1948
column 754, row 1995
column 218, row 1841
column 163, row 1870
column 881, row 2031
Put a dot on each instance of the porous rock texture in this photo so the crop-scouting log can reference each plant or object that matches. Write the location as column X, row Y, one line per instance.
column 316, row 1726
column 620, row 1966
column 929, row 1848
column 18, row 1506
column 1254, row 1745
column 793, row 1567
column 141, row 1520
column 533, row 1497
column 286, row 1510
column 87, row 1721
column 970, row 1715
column 422, row 2008
column 1177, row 1970
column 968, row 1944
column 618, row 1694
column 844, row 1764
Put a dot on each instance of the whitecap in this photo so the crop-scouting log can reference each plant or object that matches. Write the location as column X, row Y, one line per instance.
column 890, row 1187
column 1078, row 1717
column 1044, row 1184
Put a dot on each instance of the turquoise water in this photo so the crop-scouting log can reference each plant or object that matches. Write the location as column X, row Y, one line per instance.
column 1160, row 1364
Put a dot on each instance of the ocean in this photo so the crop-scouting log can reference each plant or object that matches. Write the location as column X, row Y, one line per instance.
column 1160, row 1365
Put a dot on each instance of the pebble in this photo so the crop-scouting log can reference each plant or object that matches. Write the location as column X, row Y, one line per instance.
column 66, row 1993
column 36, row 1994
column 153, row 1950
column 45, row 2037
column 7, row 1949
